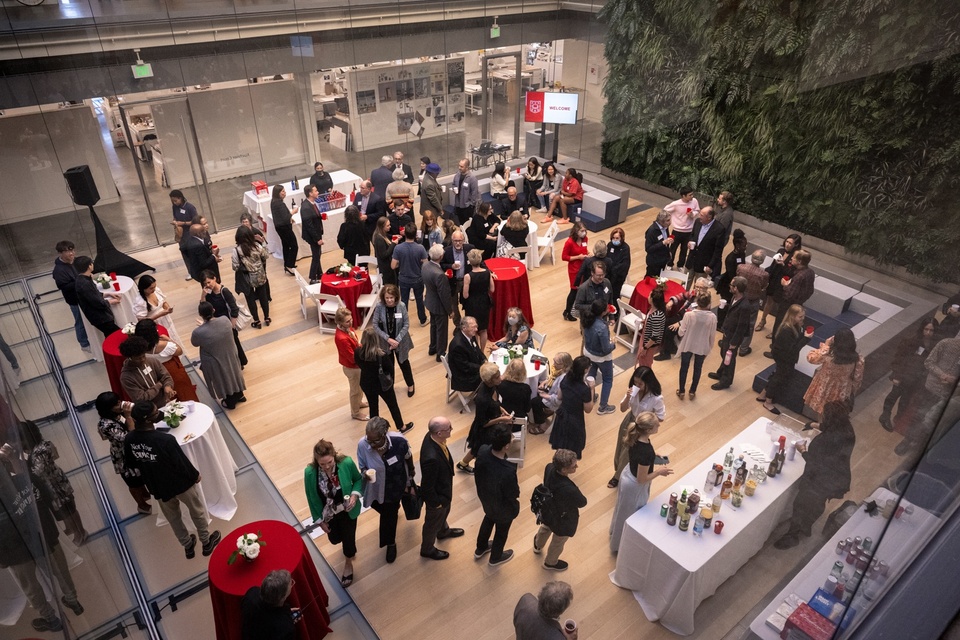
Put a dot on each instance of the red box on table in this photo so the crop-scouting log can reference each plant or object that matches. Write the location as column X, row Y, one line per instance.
column 804, row 622
column 259, row 186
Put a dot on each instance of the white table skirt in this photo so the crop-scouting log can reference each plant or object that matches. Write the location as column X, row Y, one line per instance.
column 533, row 376
column 670, row 571
column 897, row 546
column 208, row 452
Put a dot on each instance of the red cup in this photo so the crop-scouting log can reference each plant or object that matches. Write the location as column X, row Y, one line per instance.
column 518, row 169
column 113, row 275
column 786, row 279
column 536, row 365
column 809, row 330
column 718, row 526
column 689, row 209
column 213, row 247
column 323, row 216
column 671, row 236
column 449, row 273
column 611, row 308
column 116, row 286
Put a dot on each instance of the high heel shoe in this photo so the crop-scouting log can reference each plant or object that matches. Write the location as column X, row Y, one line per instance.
column 411, row 390
column 287, row 271
column 256, row 325
column 267, row 321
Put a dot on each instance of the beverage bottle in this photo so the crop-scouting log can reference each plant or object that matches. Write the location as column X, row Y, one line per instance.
column 293, row 204
column 736, row 497
column 728, row 357
column 353, row 194
column 672, row 516
column 772, row 467
column 698, row 526
column 761, row 476
column 707, row 514
column 717, row 503
column 716, row 485
column 693, row 501
column 684, row 520
column 741, row 474
column 293, row 183
column 781, row 456
column 711, row 480
column 727, row 486
column 683, row 497
column 728, row 460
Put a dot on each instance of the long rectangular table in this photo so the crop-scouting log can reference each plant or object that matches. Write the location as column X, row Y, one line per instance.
column 670, row 571
column 896, row 545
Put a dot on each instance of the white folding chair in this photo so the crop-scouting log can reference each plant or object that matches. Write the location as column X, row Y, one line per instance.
column 370, row 261
column 626, row 291
column 307, row 290
column 517, row 449
column 538, row 339
column 466, row 225
column 518, row 253
column 451, row 392
column 327, row 305
column 632, row 320
column 547, row 242
column 368, row 301
column 676, row 276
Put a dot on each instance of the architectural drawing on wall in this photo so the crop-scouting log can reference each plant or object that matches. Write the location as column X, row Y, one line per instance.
column 438, row 83
column 405, row 89
column 417, row 127
column 421, row 88
column 455, row 107
column 405, row 122
column 455, row 76
column 388, row 91
column 366, row 101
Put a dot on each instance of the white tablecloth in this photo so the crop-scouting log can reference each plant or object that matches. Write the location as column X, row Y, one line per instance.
column 898, row 546
column 533, row 375
column 122, row 313
column 533, row 256
column 671, row 571
column 200, row 438
column 259, row 205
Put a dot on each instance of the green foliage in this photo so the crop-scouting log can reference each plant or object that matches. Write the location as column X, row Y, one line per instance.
column 836, row 118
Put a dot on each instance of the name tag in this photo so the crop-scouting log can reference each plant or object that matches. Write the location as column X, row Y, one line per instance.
column 398, row 316
column 183, row 210
column 391, row 460
column 739, row 260
column 919, row 351
column 147, row 370
column 611, row 250
column 583, row 244
column 606, row 289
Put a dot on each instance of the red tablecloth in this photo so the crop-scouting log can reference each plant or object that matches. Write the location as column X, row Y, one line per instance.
column 284, row 549
column 642, row 291
column 512, row 290
column 114, row 361
column 349, row 289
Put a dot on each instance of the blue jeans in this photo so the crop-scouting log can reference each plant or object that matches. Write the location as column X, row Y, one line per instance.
column 78, row 327
column 417, row 287
column 685, row 366
column 606, row 370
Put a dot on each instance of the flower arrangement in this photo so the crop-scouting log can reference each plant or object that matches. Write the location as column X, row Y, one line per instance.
column 129, row 328
column 344, row 269
column 517, row 351
column 661, row 281
column 173, row 414
column 103, row 279
column 248, row 546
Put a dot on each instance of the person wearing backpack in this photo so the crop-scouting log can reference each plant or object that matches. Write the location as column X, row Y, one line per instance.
column 559, row 514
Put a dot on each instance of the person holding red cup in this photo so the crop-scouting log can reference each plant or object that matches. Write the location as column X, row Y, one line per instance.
column 789, row 339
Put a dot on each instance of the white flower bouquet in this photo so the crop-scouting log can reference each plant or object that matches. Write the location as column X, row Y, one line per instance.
column 129, row 328
column 248, row 546
column 173, row 414
column 103, row 279
column 517, row 351
column 344, row 269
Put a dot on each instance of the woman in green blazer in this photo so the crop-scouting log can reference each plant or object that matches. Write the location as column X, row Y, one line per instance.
column 334, row 485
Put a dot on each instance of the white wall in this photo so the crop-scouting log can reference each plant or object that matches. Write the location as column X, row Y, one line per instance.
column 579, row 56
column 37, row 149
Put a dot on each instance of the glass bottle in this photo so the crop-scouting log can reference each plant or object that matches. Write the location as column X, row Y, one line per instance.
column 693, row 501
column 717, row 503
column 684, row 520
column 672, row 516
column 736, row 497
column 707, row 515
column 727, row 486
column 761, row 476
column 698, row 526
column 728, row 460
column 711, row 481
column 772, row 467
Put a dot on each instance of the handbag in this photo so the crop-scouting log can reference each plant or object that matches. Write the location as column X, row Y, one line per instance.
column 412, row 502
column 386, row 380
column 243, row 314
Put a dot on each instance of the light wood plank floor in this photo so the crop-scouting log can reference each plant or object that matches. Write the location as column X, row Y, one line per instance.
column 297, row 394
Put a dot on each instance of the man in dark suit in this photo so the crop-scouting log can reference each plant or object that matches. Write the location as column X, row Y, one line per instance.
column 311, row 230
column 372, row 207
column 499, row 494
column 657, row 242
column 382, row 176
column 399, row 164
column 455, row 259
column 436, row 287
column 465, row 357
column 431, row 195
column 198, row 254
column 436, row 487
column 706, row 252
column 735, row 328
column 94, row 304
column 538, row 618
column 513, row 202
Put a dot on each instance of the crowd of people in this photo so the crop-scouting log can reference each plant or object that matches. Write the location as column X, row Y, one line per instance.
column 733, row 295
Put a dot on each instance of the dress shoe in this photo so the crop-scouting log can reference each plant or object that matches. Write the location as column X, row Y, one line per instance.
column 773, row 410
column 391, row 553
column 713, row 375
column 314, row 282
column 465, row 468
column 450, row 533
column 432, row 352
column 719, row 386
column 745, row 352
column 504, row 558
column 438, row 358
column 768, row 354
column 436, row 554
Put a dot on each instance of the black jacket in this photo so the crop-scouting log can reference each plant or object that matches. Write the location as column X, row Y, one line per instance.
column 497, row 486
column 164, row 467
column 281, row 214
column 263, row 622
column 436, row 471
column 464, row 360
column 376, row 208
column 619, row 265
column 381, row 177
column 92, row 303
column 352, row 238
column 323, row 183
column 563, row 516
column 787, row 345
column 737, row 323
column 311, row 224
column 446, row 262
column 65, row 275
column 709, row 252
column 658, row 254
column 199, row 257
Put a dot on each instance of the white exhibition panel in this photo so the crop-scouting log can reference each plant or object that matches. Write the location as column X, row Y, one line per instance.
column 172, row 120
column 420, row 100
column 37, row 149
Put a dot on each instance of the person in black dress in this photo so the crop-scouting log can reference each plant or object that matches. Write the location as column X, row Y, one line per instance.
column 482, row 232
column 787, row 343
column 224, row 305
column 266, row 614
column 907, row 369
column 352, row 237
column 487, row 414
column 569, row 428
column 514, row 390
column 618, row 254
column 372, row 360
column 283, row 223
column 383, row 249
column 478, row 286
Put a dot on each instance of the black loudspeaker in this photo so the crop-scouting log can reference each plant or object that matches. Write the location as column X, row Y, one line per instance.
column 83, row 189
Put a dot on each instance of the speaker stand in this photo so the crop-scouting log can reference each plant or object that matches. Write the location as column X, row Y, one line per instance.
column 109, row 258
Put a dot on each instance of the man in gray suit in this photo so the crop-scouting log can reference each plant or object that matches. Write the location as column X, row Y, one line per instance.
column 466, row 192
column 431, row 195
column 382, row 176
column 437, row 300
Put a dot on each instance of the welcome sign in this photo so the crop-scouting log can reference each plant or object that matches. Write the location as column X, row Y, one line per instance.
column 551, row 107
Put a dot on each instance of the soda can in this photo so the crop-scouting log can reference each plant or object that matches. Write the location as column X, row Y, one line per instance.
column 868, row 544
column 663, row 510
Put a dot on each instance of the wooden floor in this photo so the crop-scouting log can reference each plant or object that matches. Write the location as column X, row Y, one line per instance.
column 298, row 394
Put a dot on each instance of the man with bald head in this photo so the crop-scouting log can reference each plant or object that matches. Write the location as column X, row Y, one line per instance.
column 198, row 255
column 706, row 247
column 513, row 202
column 455, row 259
column 436, row 487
